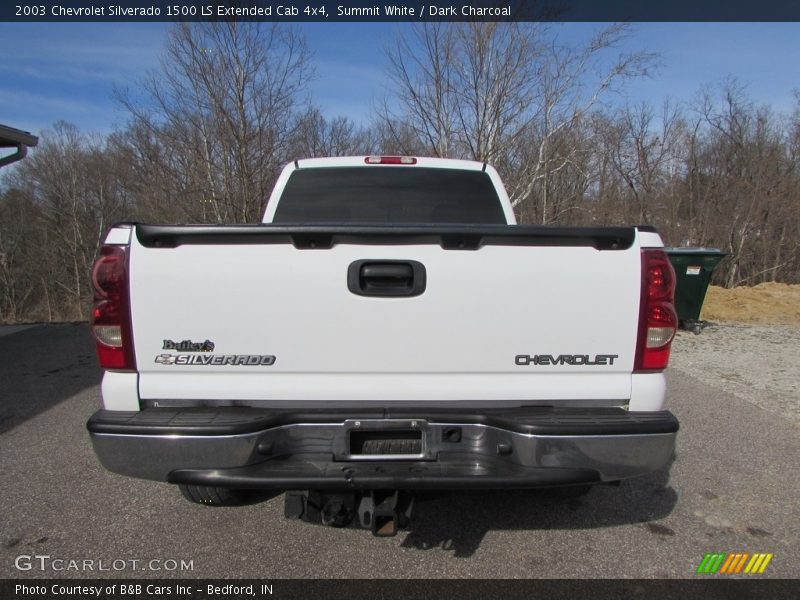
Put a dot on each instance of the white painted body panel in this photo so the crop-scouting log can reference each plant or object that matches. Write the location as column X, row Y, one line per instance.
column 457, row 340
column 120, row 391
column 648, row 391
column 649, row 239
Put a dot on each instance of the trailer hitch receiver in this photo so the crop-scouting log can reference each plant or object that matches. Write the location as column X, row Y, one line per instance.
column 385, row 511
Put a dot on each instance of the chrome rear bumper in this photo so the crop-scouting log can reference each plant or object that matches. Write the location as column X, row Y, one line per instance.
column 511, row 448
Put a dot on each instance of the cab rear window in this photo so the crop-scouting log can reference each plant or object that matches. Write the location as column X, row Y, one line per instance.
column 376, row 194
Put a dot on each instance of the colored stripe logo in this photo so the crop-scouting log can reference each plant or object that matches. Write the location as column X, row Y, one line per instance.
column 733, row 563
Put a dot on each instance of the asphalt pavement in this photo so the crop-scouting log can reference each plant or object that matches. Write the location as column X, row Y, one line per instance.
column 732, row 488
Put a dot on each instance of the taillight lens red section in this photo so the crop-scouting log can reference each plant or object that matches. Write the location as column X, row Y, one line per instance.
column 111, row 322
column 657, row 318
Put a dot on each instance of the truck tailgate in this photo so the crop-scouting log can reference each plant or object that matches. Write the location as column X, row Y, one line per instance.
column 266, row 319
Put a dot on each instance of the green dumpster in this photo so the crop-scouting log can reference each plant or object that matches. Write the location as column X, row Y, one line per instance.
column 693, row 268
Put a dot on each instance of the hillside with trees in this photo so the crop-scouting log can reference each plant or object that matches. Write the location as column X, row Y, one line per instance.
column 208, row 133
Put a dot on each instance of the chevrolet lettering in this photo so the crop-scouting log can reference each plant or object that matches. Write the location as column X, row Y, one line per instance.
column 565, row 359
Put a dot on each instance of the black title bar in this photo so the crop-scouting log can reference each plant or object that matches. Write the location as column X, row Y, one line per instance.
column 403, row 10
column 408, row 589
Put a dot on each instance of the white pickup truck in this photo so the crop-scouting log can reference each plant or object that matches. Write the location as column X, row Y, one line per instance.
column 387, row 328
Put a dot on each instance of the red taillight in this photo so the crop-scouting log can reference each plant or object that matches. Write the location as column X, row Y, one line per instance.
column 390, row 160
column 111, row 323
column 657, row 318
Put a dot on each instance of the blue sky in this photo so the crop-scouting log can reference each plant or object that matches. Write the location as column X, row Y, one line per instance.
column 52, row 71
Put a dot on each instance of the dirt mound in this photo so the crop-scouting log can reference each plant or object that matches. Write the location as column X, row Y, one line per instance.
column 766, row 303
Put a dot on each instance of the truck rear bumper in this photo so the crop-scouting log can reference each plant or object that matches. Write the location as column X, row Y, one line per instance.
column 404, row 448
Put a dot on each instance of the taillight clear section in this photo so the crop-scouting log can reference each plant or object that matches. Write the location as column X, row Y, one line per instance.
column 657, row 318
column 111, row 324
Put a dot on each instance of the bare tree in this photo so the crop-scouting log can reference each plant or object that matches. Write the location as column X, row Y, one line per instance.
column 219, row 112
column 314, row 135
column 19, row 239
column 464, row 89
column 643, row 150
column 72, row 193
column 747, row 167
column 572, row 80
column 508, row 93
column 421, row 64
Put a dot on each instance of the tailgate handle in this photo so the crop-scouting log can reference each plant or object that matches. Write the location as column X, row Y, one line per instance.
column 398, row 278
column 388, row 274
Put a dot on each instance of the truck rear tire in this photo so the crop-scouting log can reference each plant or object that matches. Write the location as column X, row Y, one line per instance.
column 212, row 496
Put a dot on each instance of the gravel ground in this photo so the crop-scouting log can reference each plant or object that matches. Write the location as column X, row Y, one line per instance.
column 759, row 364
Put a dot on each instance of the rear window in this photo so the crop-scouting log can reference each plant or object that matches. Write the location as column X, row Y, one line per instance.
column 389, row 195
